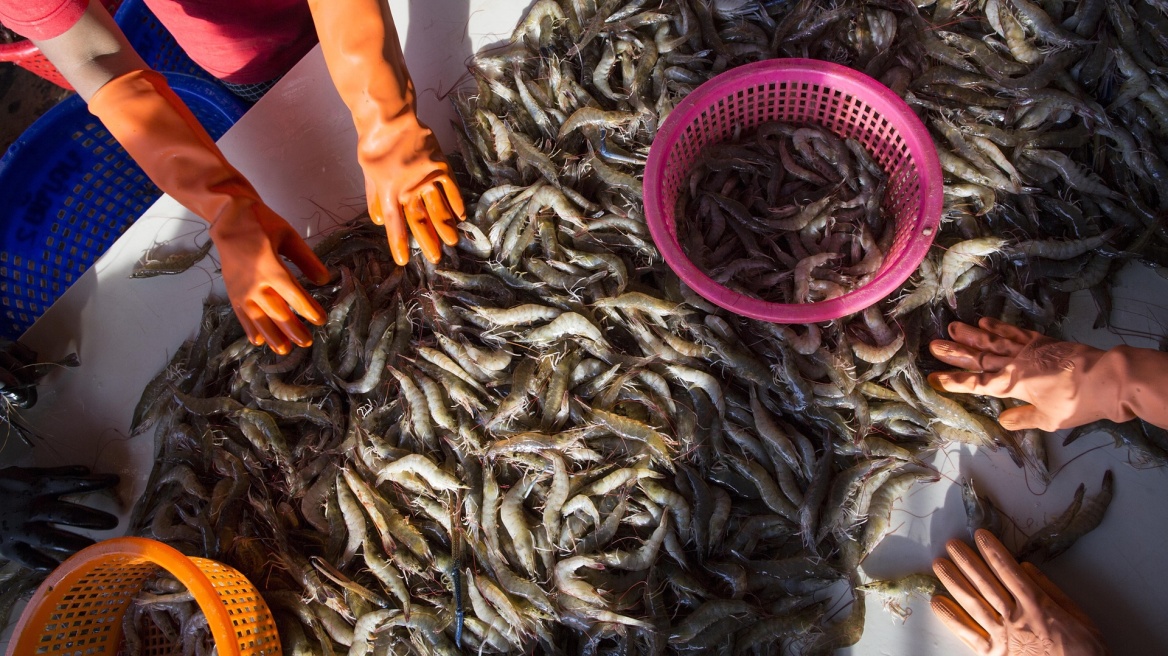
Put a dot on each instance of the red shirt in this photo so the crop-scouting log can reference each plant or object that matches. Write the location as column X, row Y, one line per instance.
column 239, row 41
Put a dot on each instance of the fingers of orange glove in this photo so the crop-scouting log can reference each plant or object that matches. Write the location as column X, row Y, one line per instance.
column 304, row 304
column 984, row 582
column 423, row 230
column 276, row 310
column 1028, row 416
column 960, row 623
column 956, row 325
column 1057, row 595
column 395, row 231
column 301, row 254
column 272, row 335
column 295, row 331
column 981, row 340
column 440, row 215
column 962, row 382
column 1003, row 329
column 965, row 594
column 1007, row 570
column 453, row 196
column 376, row 211
column 249, row 327
column 291, row 294
column 960, row 355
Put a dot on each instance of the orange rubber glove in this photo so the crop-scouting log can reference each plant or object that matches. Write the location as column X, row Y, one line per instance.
column 407, row 179
column 1001, row 608
column 164, row 138
column 1067, row 384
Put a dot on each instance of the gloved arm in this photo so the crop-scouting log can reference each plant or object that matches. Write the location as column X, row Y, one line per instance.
column 1001, row 608
column 166, row 140
column 139, row 109
column 407, row 179
column 32, row 505
column 1067, row 384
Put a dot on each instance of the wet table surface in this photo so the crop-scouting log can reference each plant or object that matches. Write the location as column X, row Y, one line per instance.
column 297, row 147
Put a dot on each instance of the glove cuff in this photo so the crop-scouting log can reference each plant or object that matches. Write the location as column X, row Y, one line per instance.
column 162, row 135
column 1140, row 381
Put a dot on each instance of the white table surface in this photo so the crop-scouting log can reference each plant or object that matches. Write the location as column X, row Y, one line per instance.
column 297, row 147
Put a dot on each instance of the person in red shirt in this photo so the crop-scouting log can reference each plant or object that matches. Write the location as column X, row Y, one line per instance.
column 250, row 43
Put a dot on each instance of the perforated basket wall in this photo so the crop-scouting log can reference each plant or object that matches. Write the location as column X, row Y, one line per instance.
column 30, row 58
column 848, row 103
column 70, row 191
column 78, row 610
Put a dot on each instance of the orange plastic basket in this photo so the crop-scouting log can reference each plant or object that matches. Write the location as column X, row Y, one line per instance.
column 79, row 608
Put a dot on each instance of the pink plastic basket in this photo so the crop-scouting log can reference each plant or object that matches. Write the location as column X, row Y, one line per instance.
column 27, row 56
column 843, row 100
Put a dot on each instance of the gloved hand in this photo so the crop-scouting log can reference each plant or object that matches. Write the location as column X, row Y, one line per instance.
column 1001, row 608
column 166, row 140
column 407, row 179
column 1067, row 384
column 31, row 505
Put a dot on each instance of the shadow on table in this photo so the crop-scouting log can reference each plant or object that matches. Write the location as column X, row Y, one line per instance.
column 1134, row 635
column 901, row 555
column 437, row 47
column 929, row 522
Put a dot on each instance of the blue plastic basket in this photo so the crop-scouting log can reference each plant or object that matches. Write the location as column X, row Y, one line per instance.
column 70, row 191
column 154, row 42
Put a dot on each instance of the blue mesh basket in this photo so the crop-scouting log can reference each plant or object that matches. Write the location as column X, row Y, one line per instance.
column 154, row 42
column 70, row 191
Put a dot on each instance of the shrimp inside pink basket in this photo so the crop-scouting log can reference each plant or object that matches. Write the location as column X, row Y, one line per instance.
column 793, row 191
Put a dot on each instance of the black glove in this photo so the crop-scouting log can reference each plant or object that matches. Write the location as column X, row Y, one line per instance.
column 31, row 504
column 18, row 375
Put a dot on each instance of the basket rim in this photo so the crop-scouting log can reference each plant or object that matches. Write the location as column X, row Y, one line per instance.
column 45, row 127
column 850, row 81
column 183, row 567
column 186, row 86
column 21, row 49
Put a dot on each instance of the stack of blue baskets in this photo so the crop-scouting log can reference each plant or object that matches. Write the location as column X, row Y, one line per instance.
column 70, row 190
